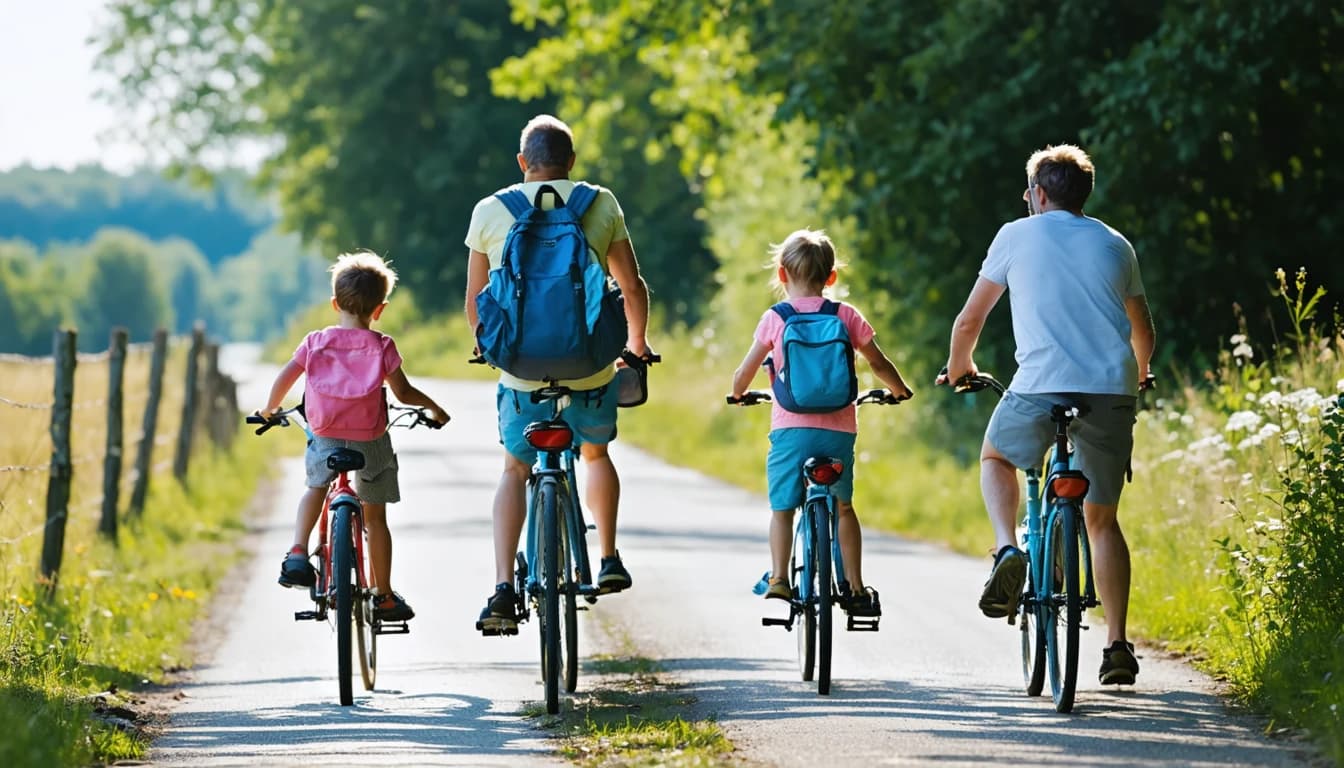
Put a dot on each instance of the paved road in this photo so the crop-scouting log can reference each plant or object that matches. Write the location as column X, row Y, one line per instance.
column 939, row 683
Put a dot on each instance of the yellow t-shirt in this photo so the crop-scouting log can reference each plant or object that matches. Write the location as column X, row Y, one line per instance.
column 603, row 224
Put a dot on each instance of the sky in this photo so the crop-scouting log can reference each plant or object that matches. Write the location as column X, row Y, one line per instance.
column 48, row 114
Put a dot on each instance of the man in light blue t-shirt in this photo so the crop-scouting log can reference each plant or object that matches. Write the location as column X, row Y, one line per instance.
column 1084, row 336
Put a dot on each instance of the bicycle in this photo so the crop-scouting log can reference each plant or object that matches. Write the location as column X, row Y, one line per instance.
column 554, row 567
column 816, row 567
column 342, row 584
column 1060, row 585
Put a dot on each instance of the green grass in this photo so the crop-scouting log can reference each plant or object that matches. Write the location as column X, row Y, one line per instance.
column 120, row 616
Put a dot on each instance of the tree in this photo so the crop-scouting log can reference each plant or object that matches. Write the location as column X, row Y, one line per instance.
column 121, row 287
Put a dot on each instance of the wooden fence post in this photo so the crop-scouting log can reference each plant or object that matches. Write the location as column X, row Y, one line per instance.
column 210, row 386
column 58, row 484
column 145, row 450
column 116, row 367
column 189, row 398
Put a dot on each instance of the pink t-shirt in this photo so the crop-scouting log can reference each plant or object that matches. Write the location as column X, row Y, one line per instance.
column 343, row 391
column 770, row 332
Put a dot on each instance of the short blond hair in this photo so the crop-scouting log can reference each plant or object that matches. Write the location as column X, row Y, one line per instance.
column 808, row 256
column 1065, row 172
column 360, row 281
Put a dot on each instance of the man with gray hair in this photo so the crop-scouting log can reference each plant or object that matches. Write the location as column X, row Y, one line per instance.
column 546, row 157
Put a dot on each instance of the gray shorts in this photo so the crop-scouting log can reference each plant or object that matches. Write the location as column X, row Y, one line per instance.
column 376, row 483
column 1103, row 438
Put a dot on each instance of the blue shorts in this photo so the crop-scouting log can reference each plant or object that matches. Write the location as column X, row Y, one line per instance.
column 790, row 447
column 591, row 414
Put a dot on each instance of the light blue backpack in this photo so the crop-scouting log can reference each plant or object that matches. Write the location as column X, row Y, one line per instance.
column 815, row 368
column 549, row 310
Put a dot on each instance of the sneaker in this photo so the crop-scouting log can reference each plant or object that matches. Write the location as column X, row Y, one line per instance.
column 500, row 612
column 865, row 604
column 613, row 577
column 779, row 589
column 1118, row 665
column 1004, row 587
column 296, row 571
column 390, row 607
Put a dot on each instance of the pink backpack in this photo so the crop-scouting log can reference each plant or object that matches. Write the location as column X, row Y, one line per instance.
column 343, row 396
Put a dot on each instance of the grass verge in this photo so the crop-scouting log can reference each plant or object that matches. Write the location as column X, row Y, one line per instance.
column 120, row 618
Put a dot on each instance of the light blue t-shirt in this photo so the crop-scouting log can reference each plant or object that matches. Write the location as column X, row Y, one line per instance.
column 1068, row 277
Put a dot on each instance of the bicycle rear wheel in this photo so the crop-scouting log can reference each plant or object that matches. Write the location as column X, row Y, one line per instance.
column 342, row 569
column 1064, row 610
column 821, row 520
column 548, row 611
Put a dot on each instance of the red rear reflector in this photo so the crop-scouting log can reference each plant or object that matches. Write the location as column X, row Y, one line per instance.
column 1069, row 487
column 826, row 474
column 550, row 438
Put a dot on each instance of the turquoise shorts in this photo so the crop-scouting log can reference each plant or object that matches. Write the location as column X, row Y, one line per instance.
column 590, row 413
column 790, row 447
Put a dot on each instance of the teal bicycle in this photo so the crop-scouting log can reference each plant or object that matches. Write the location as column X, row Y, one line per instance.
column 1060, row 585
column 817, row 568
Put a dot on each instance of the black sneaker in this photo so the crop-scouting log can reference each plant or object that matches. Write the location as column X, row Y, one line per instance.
column 865, row 604
column 391, row 607
column 296, row 571
column 1118, row 665
column 613, row 577
column 1004, row 587
column 501, row 612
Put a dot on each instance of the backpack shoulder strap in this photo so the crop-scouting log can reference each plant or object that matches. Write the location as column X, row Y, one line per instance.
column 515, row 201
column 580, row 198
column 785, row 310
column 829, row 307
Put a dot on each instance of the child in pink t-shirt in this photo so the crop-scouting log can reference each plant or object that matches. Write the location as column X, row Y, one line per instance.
column 805, row 265
column 346, row 366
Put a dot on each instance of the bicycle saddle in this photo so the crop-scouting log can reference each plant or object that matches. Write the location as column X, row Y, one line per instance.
column 345, row 460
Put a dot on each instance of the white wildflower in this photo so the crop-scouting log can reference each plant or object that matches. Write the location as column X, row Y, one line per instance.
column 1339, row 385
column 1238, row 338
column 1242, row 420
column 1247, row 478
column 1188, row 420
column 1250, row 397
column 1242, row 352
column 1291, row 437
column 1175, row 455
column 1272, row 399
column 1173, row 416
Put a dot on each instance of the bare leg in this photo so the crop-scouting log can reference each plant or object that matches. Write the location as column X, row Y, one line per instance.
column 1000, row 488
column 781, row 542
column 310, row 507
column 509, row 513
column 851, row 546
column 603, row 494
column 380, row 546
column 1110, row 560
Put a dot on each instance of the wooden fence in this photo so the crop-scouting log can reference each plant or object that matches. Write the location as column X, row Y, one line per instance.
column 208, row 405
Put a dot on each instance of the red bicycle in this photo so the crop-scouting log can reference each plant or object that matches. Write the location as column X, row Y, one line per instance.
column 342, row 584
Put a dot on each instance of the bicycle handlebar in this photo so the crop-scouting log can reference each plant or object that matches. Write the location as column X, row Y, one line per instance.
column 407, row 416
column 871, row 397
column 750, row 397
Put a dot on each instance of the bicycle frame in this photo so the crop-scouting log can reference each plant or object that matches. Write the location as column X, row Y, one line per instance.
column 557, row 467
column 1040, row 517
column 339, row 492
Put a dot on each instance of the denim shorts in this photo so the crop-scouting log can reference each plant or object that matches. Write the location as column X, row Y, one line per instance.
column 376, row 483
column 590, row 413
column 790, row 447
column 1103, row 437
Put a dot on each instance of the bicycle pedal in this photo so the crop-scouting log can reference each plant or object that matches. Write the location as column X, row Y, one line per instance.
column 785, row 623
column 861, row 625
column 391, row 628
column 308, row 616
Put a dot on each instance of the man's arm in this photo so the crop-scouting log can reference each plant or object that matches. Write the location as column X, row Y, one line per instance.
column 966, row 330
column 1142, row 333
column 478, row 274
column 621, row 261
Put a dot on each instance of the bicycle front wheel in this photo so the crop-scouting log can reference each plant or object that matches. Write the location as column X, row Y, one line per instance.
column 1064, row 610
column 342, row 570
column 548, row 612
column 821, row 520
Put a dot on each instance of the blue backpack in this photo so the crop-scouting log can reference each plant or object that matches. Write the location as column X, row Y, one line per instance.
column 815, row 372
column 549, row 311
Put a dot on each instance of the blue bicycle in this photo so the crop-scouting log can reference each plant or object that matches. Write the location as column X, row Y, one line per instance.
column 816, row 568
column 553, row 570
column 1060, row 583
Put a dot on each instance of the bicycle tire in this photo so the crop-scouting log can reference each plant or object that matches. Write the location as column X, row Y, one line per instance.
column 549, row 610
column 822, row 522
column 1033, row 640
column 569, row 590
column 1065, row 607
column 342, row 567
column 366, row 641
column 807, row 633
